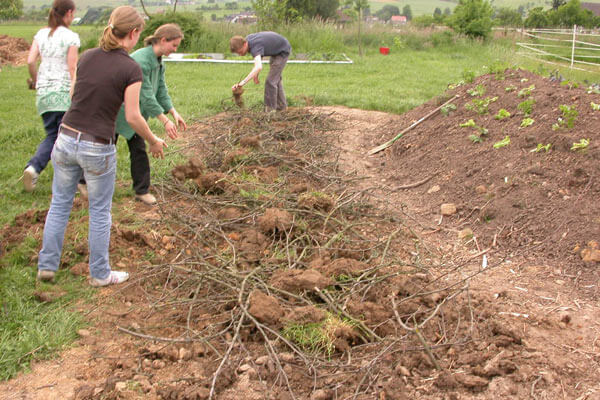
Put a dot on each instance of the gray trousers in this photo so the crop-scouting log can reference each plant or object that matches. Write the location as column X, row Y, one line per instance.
column 274, row 94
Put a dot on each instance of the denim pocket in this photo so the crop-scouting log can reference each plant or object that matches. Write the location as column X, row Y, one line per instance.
column 98, row 164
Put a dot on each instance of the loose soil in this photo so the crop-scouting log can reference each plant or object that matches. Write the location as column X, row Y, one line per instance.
column 281, row 222
column 13, row 50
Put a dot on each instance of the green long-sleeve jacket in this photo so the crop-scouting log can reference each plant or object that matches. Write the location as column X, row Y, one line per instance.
column 154, row 96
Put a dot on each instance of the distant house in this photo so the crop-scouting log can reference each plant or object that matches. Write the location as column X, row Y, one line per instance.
column 398, row 20
column 593, row 7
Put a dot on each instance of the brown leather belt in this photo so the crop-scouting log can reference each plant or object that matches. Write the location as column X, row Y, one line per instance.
column 65, row 130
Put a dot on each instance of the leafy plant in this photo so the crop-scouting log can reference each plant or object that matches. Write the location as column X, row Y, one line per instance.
column 479, row 90
column 526, row 106
column 526, row 91
column 503, row 143
column 510, row 88
column 447, row 109
column 475, row 138
column 527, row 122
column 570, row 84
column 581, row 145
column 468, row 76
column 480, row 105
column 523, row 80
column 593, row 89
column 541, row 147
column 468, row 124
column 595, row 107
column 502, row 113
column 569, row 115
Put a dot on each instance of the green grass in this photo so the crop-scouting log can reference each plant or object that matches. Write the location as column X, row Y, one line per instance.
column 30, row 329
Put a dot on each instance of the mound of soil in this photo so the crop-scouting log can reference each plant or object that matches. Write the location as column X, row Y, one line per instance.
column 513, row 197
column 13, row 50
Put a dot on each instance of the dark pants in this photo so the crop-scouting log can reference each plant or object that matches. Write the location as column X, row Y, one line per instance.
column 52, row 120
column 140, row 164
column 274, row 94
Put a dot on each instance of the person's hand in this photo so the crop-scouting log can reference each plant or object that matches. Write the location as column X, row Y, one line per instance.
column 256, row 80
column 156, row 148
column 234, row 87
column 171, row 129
column 180, row 122
column 30, row 84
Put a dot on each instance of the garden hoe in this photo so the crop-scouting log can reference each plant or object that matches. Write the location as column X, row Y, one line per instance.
column 398, row 136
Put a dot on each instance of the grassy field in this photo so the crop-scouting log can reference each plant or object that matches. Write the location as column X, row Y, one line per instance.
column 394, row 83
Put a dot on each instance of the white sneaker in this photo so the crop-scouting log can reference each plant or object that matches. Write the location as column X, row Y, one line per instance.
column 114, row 278
column 30, row 177
column 147, row 198
column 82, row 190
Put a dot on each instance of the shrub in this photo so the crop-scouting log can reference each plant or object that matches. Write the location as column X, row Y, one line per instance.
column 190, row 23
column 472, row 18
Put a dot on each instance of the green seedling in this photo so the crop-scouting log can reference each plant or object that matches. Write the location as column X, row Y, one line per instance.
column 526, row 91
column 510, row 88
column 475, row 138
column 480, row 135
column 447, row 109
column 541, row 147
column 581, row 145
column 570, row 84
column 569, row 115
column 468, row 76
column 594, row 89
column 480, row 105
column 502, row 113
column 503, row 143
column 595, row 107
column 527, row 122
column 526, row 107
column 468, row 124
column 479, row 90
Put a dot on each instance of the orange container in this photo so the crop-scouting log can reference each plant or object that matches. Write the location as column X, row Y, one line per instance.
column 384, row 50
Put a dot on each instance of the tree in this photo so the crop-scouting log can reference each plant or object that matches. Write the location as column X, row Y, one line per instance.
column 472, row 18
column 270, row 13
column 447, row 12
column 506, row 16
column 359, row 6
column 557, row 3
column 386, row 12
column 536, row 18
column 572, row 13
column 407, row 12
column 326, row 8
column 437, row 15
column 11, row 9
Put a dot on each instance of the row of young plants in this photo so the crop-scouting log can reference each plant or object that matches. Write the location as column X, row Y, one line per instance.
column 480, row 105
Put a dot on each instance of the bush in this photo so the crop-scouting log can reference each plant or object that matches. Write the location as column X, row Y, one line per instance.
column 472, row 18
column 194, row 31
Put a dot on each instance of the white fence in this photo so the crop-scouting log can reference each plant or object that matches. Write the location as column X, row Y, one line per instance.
column 559, row 46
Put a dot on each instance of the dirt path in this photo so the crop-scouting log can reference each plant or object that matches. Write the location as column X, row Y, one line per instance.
column 544, row 322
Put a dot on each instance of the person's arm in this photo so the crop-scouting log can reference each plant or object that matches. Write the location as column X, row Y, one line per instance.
column 150, row 104
column 72, row 55
column 252, row 75
column 138, row 123
column 32, row 58
column 163, row 98
column 180, row 122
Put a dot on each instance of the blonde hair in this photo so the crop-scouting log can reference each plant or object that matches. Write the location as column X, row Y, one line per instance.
column 167, row 31
column 236, row 43
column 122, row 20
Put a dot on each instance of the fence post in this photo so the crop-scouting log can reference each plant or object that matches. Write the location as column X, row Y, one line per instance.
column 573, row 46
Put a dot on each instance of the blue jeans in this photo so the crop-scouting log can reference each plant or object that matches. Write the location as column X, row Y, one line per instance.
column 98, row 163
column 52, row 120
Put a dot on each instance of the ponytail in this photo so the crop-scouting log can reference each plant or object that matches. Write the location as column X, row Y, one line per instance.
column 167, row 31
column 122, row 20
column 56, row 17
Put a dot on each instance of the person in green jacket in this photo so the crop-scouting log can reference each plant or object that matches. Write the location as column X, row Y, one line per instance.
column 154, row 102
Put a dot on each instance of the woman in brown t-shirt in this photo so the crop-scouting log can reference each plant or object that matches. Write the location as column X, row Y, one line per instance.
column 106, row 77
